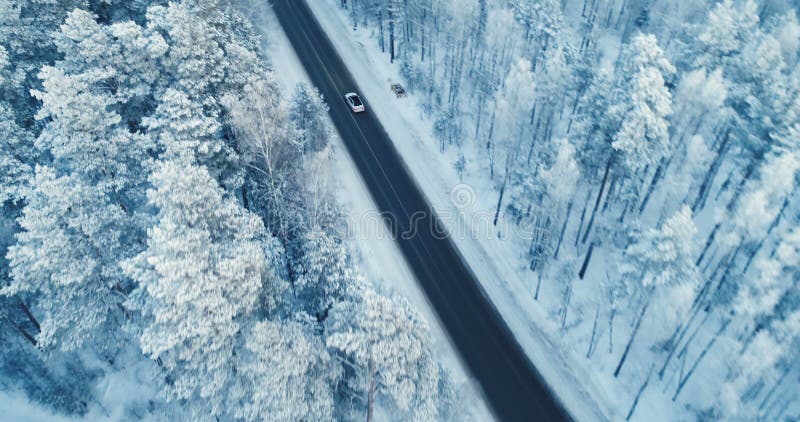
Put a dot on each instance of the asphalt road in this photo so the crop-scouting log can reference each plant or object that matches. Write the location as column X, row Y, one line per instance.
column 512, row 385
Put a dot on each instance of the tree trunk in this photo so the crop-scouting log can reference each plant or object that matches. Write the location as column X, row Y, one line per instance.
column 391, row 35
column 685, row 349
column 782, row 409
column 676, row 340
column 586, row 260
column 772, row 390
column 371, row 391
column 652, row 187
column 594, row 332
column 597, row 202
column 538, row 285
column 563, row 230
column 633, row 336
column 612, row 189
column 422, row 37
column 500, row 199
column 689, row 374
column 30, row 316
column 289, row 269
column 611, row 330
column 490, row 146
column 245, row 200
column 565, row 300
column 709, row 241
column 24, row 333
column 353, row 12
column 381, row 41
column 712, row 172
column 639, row 394
column 583, row 217
column 757, row 249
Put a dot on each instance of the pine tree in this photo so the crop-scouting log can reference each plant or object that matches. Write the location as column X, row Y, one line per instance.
column 16, row 158
column 200, row 280
column 390, row 341
column 324, row 271
column 309, row 115
column 290, row 375
column 643, row 103
column 67, row 257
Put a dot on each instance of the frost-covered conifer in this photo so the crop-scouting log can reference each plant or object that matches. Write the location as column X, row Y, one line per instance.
column 67, row 258
column 643, row 104
column 200, row 279
column 389, row 340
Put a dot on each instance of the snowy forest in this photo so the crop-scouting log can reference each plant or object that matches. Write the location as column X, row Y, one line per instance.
column 652, row 150
column 168, row 244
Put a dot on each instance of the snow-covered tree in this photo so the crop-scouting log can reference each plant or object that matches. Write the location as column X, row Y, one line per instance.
column 761, row 293
column 125, row 53
column 728, row 27
column 514, row 100
column 269, row 148
column 593, row 127
column 309, row 114
column 26, row 35
column 67, row 256
column 546, row 204
column 695, row 156
column 659, row 258
column 762, row 202
column 769, row 357
column 760, row 359
column 84, row 135
column 324, row 270
column 389, row 340
column 561, row 179
column 200, row 279
column 185, row 127
column 701, row 96
column 289, row 374
column 537, row 17
column 760, row 92
column 643, row 104
column 664, row 256
column 207, row 53
column 786, row 30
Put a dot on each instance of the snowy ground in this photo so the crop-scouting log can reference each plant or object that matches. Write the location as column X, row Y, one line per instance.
column 588, row 393
column 120, row 395
column 17, row 407
column 378, row 255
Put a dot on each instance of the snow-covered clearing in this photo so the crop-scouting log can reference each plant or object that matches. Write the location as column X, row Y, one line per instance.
column 378, row 255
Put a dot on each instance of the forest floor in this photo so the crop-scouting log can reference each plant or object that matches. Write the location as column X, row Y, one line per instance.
column 376, row 253
column 497, row 254
column 18, row 407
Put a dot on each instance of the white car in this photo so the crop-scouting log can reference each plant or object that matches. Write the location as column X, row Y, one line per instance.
column 354, row 101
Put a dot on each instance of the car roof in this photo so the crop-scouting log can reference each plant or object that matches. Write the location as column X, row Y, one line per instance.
column 351, row 94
